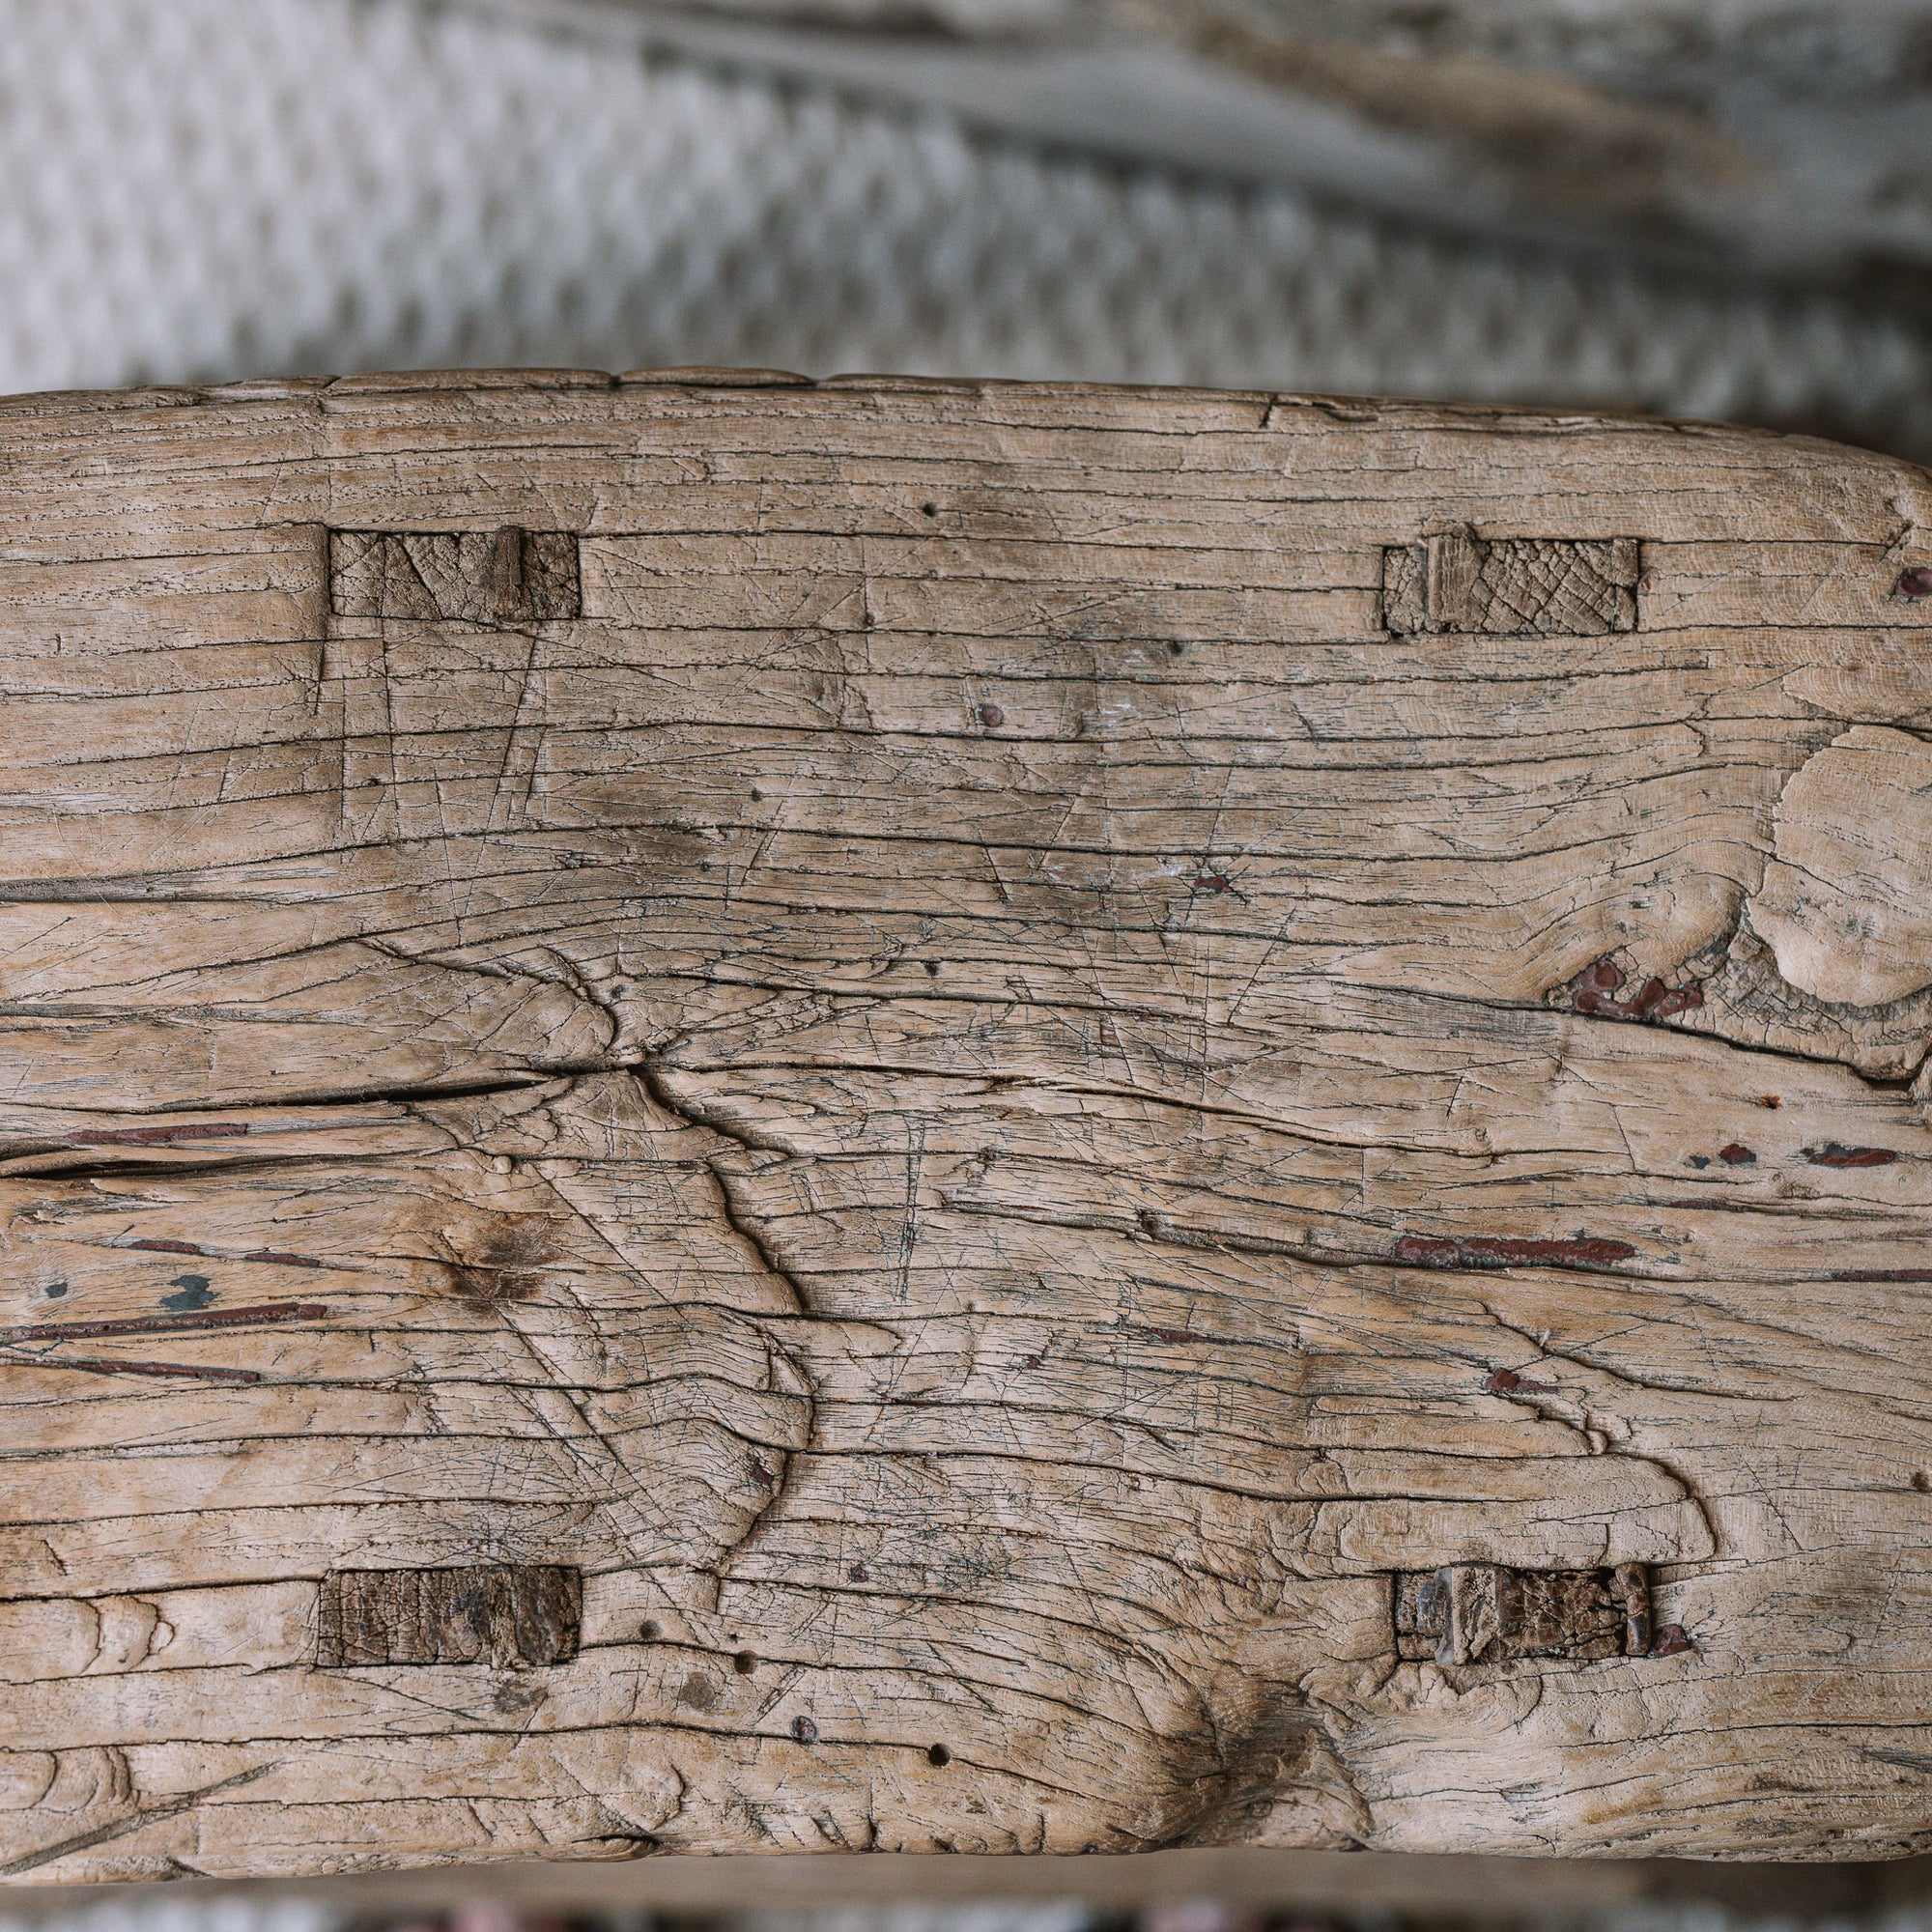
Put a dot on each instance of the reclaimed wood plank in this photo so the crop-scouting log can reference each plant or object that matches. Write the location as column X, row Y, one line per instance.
column 1046, row 1175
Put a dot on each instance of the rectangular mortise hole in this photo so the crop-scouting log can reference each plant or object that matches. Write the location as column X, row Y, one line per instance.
column 1459, row 585
column 506, row 575
column 487, row 1614
column 1487, row 1613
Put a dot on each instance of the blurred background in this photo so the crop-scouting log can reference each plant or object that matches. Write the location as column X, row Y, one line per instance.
column 1238, row 1890
column 1704, row 208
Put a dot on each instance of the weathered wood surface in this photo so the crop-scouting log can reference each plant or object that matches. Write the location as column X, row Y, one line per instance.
column 962, row 1159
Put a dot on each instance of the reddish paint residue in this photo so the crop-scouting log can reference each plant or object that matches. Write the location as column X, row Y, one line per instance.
column 1594, row 992
column 94, row 1365
column 1213, row 882
column 1881, row 1274
column 1916, row 581
column 257, row 1316
column 1580, row 1251
column 274, row 1254
column 211, row 1130
column 1506, row 1382
column 1176, row 1335
column 1834, row 1154
column 1670, row 1640
column 1737, row 1154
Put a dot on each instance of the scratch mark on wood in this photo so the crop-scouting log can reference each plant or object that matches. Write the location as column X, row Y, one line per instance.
column 119, row 1828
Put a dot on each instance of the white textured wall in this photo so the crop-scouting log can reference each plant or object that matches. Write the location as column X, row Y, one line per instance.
column 220, row 188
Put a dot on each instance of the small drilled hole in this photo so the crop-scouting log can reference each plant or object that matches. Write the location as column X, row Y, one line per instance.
column 939, row 1755
column 1920, row 1480
column 929, row 509
column 744, row 1664
column 991, row 715
column 805, row 1730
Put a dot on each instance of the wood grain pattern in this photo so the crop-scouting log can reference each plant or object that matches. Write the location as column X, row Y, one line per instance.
column 983, row 1101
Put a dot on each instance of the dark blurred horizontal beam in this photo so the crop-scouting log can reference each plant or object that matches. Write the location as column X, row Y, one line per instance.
column 1545, row 1890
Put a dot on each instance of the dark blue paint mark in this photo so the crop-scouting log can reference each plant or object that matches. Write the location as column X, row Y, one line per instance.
column 195, row 1293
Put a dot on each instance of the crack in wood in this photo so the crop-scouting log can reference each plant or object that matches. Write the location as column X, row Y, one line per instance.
column 134, row 1821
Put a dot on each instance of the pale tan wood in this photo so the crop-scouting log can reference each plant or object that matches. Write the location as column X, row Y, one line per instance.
column 961, row 1084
